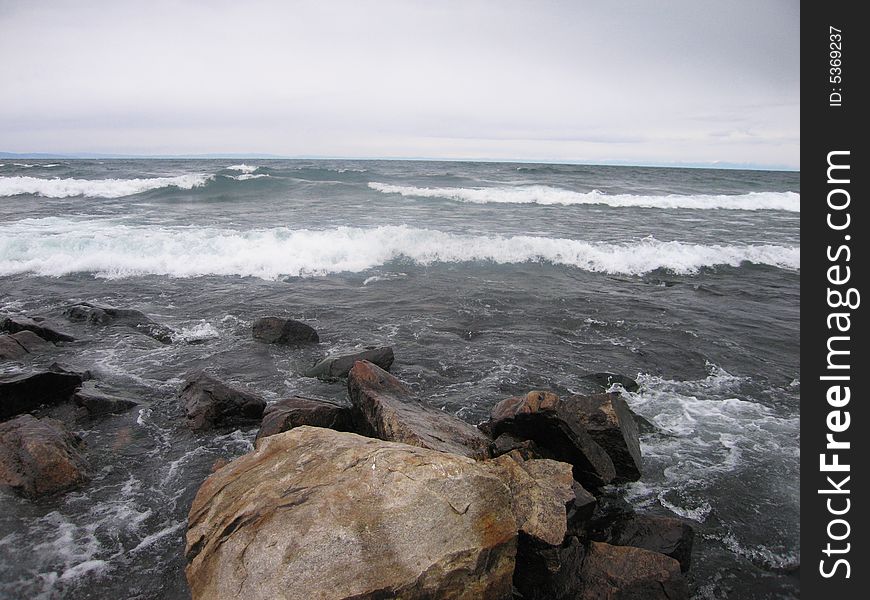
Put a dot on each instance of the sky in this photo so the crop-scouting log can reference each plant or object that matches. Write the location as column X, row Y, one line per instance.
column 690, row 82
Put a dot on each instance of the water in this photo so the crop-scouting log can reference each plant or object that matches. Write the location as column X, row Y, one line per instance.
column 488, row 280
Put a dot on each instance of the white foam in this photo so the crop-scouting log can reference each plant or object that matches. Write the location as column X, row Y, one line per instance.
column 243, row 168
column 547, row 195
column 108, row 248
column 196, row 333
column 95, row 188
column 246, row 176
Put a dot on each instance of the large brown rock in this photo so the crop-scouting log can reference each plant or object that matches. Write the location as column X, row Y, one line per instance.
column 543, row 418
column 28, row 391
column 275, row 330
column 611, row 424
column 209, row 403
column 38, row 325
column 39, row 457
column 385, row 408
column 667, row 535
column 325, row 515
column 286, row 414
column 336, row 367
column 627, row 573
column 99, row 314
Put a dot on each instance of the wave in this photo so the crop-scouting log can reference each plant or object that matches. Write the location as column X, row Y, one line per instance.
column 109, row 248
column 95, row 188
column 243, row 168
column 246, row 176
column 547, row 195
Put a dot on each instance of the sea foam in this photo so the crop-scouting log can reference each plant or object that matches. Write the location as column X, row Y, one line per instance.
column 109, row 248
column 547, row 195
column 95, row 188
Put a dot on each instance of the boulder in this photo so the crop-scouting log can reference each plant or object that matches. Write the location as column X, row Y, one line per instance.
column 606, row 380
column 336, row 367
column 580, row 510
column 508, row 443
column 284, row 415
column 68, row 369
column 611, row 424
column 315, row 513
column 97, row 403
column 385, row 408
column 18, row 345
column 543, row 418
column 668, row 535
column 38, row 325
column 97, row 314
column 626, row 573
column 39, row 457
column 10, row 349
column 211, row 403
column 24, row 392
column 546, row 572
column 275, row 330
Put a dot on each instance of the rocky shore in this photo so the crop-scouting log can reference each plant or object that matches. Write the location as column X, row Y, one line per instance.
column 383, row 496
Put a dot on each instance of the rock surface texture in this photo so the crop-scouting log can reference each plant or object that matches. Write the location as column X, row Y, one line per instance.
column 284, row 415
column 209, row 403
column 38, row 325
column 336, row 367
column 275, row 330
column 626, row 573
column 24, row 392
column 125, row 317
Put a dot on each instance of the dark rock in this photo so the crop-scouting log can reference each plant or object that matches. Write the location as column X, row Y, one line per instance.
column 580, row 510
column 275, row 330
column 667, row 535
column 211, row 403
column 38, row 325
column 627, row 573
column 125, row 317
column 541, row 417
column 547, row 572
column 335, row 367
column 10, row 349
column 611, row 424
column 294, row 412
column 39, row 457
column 385, row 408
column 18, row 345
column 605, row 380
column 508, row 443
column 98, row 403
column 67, row 369
column 25, row 392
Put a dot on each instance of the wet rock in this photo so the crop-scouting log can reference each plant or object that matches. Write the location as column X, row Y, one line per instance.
column 580, row 510
column 335, row 367
column 543, row 418
column 385, row 408
column 28, row 391
column 508, row 443
column 97, row 403
column 38, row 325
column 668, row 535
column 318, row 513
column 627, row 573
column 125, row 317
column 18, row 345
column 611, row 424
column 275, row 330
column 68, row 369
column 605, row 380
column 211, row 403
column 297, row 411
column 39, row 457
column 10, row 349
column 548, row 572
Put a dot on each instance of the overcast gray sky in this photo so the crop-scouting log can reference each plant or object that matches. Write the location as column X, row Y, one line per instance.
column 643, row 82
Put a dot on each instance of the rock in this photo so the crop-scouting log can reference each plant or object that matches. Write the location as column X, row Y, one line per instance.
column 626, row 573
column 98, row 403
column 668, row 535
column 611, row 424
column 542, row 418
column 335, row 367
column 125, row 317
column 18, row 345
column 293, row 412
column 315, row 513
column 385, row 408
column 38, row 325
column 67, row 369
column 580, row 510
column 10, row 349
column 210, row 403
column 605, row 380
column 548, row 572
column 508, row 443
column 275, row 330
column 25, row 392
column 39, row 457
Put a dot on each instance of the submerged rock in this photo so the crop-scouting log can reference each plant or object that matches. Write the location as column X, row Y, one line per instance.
column 314, row 513
column 28, row 391
column 38, row 325
column 97, row 403
column 39, row 457
column 284, row 415
column 668, row 535
column 627, row 573
column 611, row 424
column 211, row 403
column 275, row 330
column 126, row 317
column 542, row 418
column 605, row 380
column 335, row 367
column 385, row 408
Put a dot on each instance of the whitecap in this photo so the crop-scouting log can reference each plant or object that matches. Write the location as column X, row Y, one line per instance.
column 95, row 188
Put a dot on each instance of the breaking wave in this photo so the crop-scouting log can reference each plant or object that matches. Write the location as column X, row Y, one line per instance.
column 95, row 188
